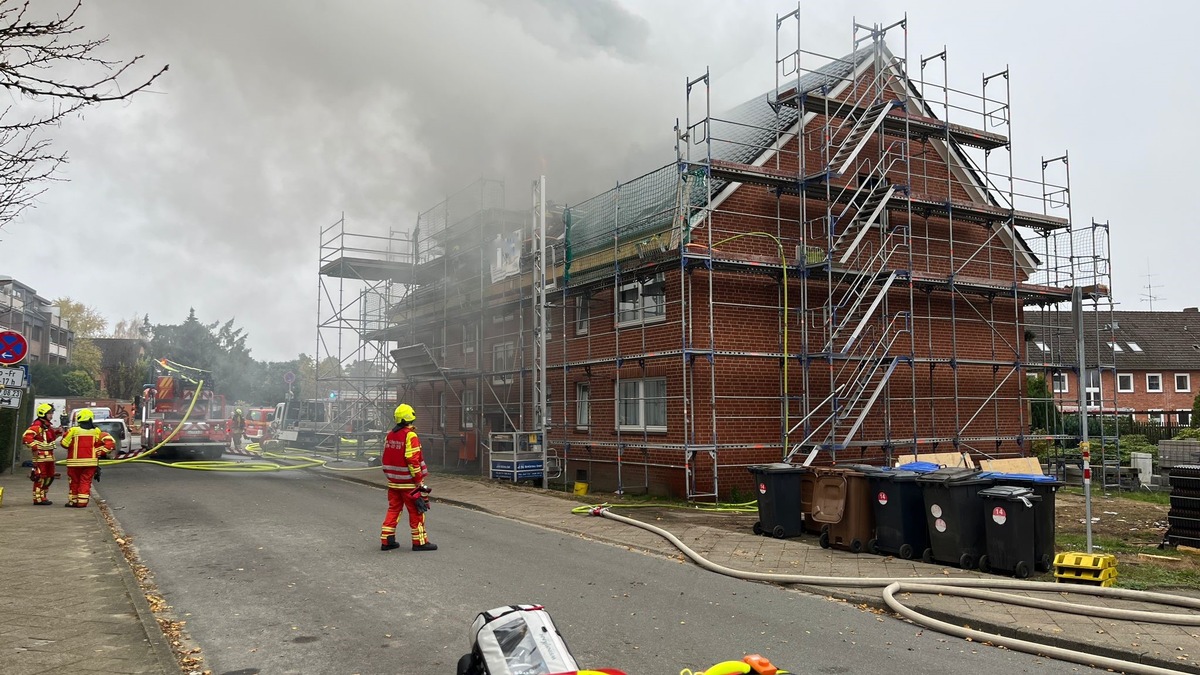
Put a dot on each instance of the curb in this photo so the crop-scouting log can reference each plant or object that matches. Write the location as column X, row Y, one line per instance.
column 158, row 641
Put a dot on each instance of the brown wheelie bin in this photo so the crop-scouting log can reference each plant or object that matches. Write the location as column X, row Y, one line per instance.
column 842, row 505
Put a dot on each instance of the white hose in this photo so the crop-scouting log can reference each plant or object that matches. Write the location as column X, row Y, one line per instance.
column 976, row 588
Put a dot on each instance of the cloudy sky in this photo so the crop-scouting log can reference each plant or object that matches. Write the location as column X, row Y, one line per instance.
column 277, row 117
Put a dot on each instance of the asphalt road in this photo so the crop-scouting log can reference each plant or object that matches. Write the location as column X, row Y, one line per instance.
column 282, row 573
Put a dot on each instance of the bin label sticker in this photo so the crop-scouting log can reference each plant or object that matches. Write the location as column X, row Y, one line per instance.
column 882, row 498
column 762, row 488
column 940, row 525
column 936, row 511
column 999, row 515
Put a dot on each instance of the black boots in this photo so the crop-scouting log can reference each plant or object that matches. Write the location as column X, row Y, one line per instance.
column 44, row 502
column 427, row 546
column 389, row 545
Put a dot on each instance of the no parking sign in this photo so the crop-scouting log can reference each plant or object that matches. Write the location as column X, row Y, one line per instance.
column 13, row 347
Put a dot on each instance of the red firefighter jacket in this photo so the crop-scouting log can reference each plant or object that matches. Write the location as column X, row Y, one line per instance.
column 403, row 464
column 85, row 447
column 39, row 438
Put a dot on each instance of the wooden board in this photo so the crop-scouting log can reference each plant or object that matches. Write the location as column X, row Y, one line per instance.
column 941, row 458
column 1026, row 465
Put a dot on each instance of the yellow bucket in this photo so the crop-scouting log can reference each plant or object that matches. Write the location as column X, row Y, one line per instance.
column 581, row 488
column 1, row 496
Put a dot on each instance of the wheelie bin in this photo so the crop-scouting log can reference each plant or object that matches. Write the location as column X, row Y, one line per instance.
column 778, row 488
column 1044, row 487
column 1010, row 515
column 954, row 515
column 899, row 507
column 841, row 504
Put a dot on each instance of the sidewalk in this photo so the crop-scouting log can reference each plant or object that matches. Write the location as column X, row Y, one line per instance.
column 726, row 539
column 71, row 603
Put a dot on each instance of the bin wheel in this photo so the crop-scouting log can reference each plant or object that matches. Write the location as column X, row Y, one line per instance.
column 1045, row 563
column 966, row 561
column 873, row 546
column 906, row 551
column 927, row 556
column 825, row 527
column 985, row 565
column 1021, row 571
column 856, row 546
column 757, row 528
column 465, row 666
column 778, row 532
column 824, row 538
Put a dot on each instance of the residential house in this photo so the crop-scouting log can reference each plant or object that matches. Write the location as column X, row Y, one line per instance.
column 49, row 335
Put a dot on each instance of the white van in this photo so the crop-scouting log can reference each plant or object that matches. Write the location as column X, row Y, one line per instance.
column 116, row 427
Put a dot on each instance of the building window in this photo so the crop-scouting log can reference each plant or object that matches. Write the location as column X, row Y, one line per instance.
column 1115, row 347
column 583, row 405
column 1153, row 382
column 1059, row 382
column 442, row 410
column 1133, row 346
column 1155, row 417
column 1042, row 346
column 37, row 333
column 1092, row 390
column 1183, row 382
column 504, row 357
column 642, row 405
column 642, row 301
column 1125, row 383
column 582, row 313
column 470, row 337
column 468, row 409
column 1184, row 417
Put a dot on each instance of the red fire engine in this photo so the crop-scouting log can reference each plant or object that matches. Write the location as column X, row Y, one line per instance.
column 163, row 405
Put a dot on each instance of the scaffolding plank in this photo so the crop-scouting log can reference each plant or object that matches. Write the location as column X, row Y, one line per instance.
column 348, row 267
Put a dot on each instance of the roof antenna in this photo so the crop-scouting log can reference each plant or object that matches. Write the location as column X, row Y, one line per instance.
column 1149, row 295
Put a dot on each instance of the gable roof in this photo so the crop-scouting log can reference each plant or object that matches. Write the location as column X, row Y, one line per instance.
column 1167, row 341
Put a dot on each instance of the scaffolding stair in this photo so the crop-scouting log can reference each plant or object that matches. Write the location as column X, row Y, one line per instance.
column 859, row 136
column 870, row 202
column 861, row 324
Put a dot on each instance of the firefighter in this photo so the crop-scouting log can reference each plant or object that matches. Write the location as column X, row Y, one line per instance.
column 238, row 428
column 405, row 469
column 86, row 445
column 39, row 438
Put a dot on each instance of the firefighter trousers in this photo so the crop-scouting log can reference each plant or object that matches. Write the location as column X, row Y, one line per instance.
column 404, row 499
column 43, row 476
column 80, row 488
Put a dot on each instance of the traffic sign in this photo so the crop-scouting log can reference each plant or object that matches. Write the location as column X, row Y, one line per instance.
column 10, row 398
column 289, row 377
column 17, row 376
column 13, row 347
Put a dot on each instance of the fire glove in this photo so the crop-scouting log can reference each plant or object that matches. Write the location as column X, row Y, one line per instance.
column 97, row 476
column 422, row 503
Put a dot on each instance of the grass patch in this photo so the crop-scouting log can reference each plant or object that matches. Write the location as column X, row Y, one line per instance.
column 1078, row 543
column 1135, row 573
column 1143, row 577
column 1146, row 496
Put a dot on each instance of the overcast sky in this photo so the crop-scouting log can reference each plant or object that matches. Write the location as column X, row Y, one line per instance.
column 278, row 117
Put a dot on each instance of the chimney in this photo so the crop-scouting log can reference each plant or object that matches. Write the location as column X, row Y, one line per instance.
column 1191, row 310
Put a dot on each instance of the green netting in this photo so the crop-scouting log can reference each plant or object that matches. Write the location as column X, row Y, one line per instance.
column 631, row 211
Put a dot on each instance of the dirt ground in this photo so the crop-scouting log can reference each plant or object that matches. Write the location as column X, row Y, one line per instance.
column 1133, row 522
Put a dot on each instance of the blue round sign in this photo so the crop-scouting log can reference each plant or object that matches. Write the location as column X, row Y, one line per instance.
column 13, row 347
column 289, row 377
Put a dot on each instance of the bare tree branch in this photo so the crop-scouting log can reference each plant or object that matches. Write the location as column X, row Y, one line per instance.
column 57, row 71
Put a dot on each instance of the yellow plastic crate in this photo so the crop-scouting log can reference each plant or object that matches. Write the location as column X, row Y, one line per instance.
column 1097, row 569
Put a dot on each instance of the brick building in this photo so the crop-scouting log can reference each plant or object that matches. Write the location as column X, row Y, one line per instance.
column 828, row 270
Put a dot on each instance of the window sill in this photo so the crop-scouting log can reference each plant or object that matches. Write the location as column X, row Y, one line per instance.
column 641, row 322
column 638, row 430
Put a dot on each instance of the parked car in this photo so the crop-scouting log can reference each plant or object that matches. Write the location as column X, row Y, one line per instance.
column 116, row 427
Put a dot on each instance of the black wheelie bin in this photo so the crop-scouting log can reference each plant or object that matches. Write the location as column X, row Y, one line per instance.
column 954, row 515
column 1010, row 524
column 778, row 489
column 899, row 507
column 1044, row 487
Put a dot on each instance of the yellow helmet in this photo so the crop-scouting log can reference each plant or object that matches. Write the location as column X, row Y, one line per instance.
column 44, row 409
column 405, row 413
column 85, row 415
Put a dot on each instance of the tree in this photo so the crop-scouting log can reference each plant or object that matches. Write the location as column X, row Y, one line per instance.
column 125, row 380
column 86, row 322
column 217, row 348
column 86, row 356
column 133, row 328
column 1196, row 412
column 79, row 383
column 47, row 62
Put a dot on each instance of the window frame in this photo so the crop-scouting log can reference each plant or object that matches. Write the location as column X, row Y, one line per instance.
column 583, row 313
column 583, row 405
column 1054, row 383
column 442, row 418
column 1152, row 390
column 1156, row 417
column 1187, row 378
column 504, row 375
column 1180, row 416
column 467, row 413
column 639, row 314
column 641, row 425
column 470, row 337
column 1121, row 389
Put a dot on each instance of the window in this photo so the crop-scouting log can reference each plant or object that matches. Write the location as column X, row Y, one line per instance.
column 1133, row 346
column 442, row 410
column 1183, row 382
column 583, row 405
column 1153, row 382
column 470, row 337
column 1115, row 347
column 468, row 409
column 1184, row 417
column 1124, row 383
column 582, row 314
column 37, row 333
column 1092, row 391
column 1042, row 346
column 1059, row 382
column 642, row 405
column 504, row 357
column 642, row 301
column 1155, row 417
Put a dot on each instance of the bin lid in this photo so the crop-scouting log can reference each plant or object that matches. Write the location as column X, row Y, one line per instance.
column 920, row 467
column 898, row 475
column 777, row 467
column 1014, row 493
column 952, row 475
column 1021, row 477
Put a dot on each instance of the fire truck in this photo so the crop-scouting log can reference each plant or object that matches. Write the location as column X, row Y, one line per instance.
column 206, row 432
